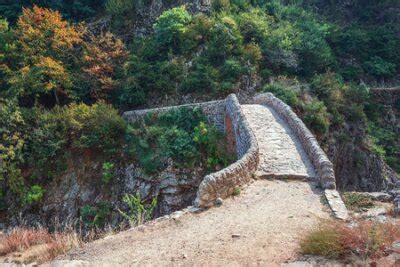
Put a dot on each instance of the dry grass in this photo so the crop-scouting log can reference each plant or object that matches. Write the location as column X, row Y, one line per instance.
column 337, row 240
column 37, row 245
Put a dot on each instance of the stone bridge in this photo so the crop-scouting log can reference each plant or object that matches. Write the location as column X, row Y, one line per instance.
column 262, row 225
column 270, row 141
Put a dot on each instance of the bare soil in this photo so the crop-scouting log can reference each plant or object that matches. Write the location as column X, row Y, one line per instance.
column 261, row 226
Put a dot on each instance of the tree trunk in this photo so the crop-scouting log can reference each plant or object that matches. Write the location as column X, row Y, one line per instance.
column 56, row 97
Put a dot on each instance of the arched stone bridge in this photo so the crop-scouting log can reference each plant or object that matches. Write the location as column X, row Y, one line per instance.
column 270, row 141
column 260, row 227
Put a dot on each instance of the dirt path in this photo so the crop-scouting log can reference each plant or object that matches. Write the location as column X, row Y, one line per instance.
column 259, row 227
column 281, row 153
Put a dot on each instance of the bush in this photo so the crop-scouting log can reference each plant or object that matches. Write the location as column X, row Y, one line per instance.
column 201, row 79
column 316, row 117
column 137, row 212
column 170, row 28
column 378, row 67
column 35, row 194
column 95, row 127
column 220, row 5
column 95, row 216
column 225, row 41
column 47, row 142
column 180, row 134
column 13, row 136
column 357, row 202
column 287, row 95
column 108, row 172
column 118, row 7
column 334, row 239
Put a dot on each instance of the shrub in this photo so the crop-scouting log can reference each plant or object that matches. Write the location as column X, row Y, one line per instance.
column 96, row 127
column 334, row 239
column 201, row 79
column 35, row 194
column 137, row 213
column 220, row 5
column 180, row 134
column 379, row 67
column 170, row 28
column 47, row 141
column 12, row 125
column 95, row 216
column 316, row 117
column 357, row 202
column 286, row 94
column 209, row 139
column 225, row 41
column 231, row 70
column 118, row 7
column 108, row 172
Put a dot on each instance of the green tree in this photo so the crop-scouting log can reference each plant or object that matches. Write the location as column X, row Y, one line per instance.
column 170, row 28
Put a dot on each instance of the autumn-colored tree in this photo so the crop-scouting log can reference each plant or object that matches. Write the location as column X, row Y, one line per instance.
column 104, row 56
column 43, row 32
column 45, row 43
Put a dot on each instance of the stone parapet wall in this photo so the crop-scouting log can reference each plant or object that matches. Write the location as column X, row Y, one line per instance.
column 222, row 183
column 318, row 157
column 214, row 111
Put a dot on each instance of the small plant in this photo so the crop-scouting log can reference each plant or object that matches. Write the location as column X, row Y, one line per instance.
column 137, row 212
column 236, row 191
column 95, row 216
column 108, row 168
column 35, row 194
column 357, row 202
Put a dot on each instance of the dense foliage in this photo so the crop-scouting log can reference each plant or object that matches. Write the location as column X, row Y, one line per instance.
column 182, row 135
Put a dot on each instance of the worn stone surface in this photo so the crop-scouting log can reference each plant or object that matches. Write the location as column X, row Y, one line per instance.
column 320, row 161
column 280, row 152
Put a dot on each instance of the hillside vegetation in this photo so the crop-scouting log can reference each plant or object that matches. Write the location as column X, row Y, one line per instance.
column 64, row 82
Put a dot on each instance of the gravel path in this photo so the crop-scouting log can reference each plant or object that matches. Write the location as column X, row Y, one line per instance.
column 281, row 153
column 260, row 227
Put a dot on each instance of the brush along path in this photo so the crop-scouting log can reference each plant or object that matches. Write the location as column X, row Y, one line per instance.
column 281, row 153
column 261, row 226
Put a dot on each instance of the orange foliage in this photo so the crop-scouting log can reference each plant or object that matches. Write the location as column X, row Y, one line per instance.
column 104, row 57
column 41, row 31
